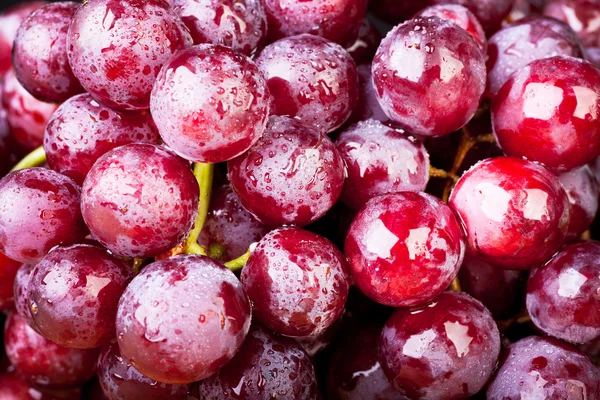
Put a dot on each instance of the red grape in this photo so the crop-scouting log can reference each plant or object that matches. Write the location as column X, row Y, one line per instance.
column 582, row 189
column 335, row 20
column 297, row 281
column 116, row 48
column 368, row 107
column 460, row 16
column 182, row 319
column 241, row 25
column 562, row 296
column 26, row 116
column 447, row 349
column 429, row 76
column 229, row 224
column 39, row 209
column 267, row 367
column 581, row 15
column 140, row 200
column 10, row 19
column 82, row 130
column 364, row 47
column 21, row 293
column 210, row 103
column 310, row 79
column 292, row 175
column 380, row 160
column 74, row 293
column 404, row 248
column 490, row 13
column 121, row 381
column 40, row 53
column 45, row 363
column 8, row 272
column 524, row 41
column 515, row 212
column 549, row 111
column 544, row 368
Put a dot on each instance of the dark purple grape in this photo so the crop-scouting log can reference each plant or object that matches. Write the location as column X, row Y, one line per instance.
column 404, row 248
column 26, row 116
column 40, row 53
column 515, row 212
column 39, row 209
column 447, row 349
column 74, row 293
column 181, row 319
column 549, row 112
column 268, row 366
column 21, row 293
column 297, row 281
column 364, row 47
column 581, row 15
column 368, row 107
column 310, row 79
column 210, row 103
column 380, row 160
column 335, row 20
column 8, row 272
column 429, row 76
column 292, row 175
column 563, row 295
column 582, row 189
column 524, row 41
column 81, row 130
column 544, row 368
column 229, row 225
column 140, row 200
column 122, row 381
column 44, row 363
column 241, row 25
column 500, row 290
column 116, row 48
column 354, row 371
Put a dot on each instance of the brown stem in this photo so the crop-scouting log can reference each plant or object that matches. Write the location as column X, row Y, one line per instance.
column 455, row 285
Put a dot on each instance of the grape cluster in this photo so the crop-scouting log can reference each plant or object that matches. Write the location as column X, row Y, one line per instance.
column 282, row 199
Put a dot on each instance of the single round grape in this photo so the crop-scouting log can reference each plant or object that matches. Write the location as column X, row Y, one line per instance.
column 74, row 293
column 182, row 319
column 515, row 212
column 500, row 290
column 81, row 130
column 229, row 225
column 140, row 200
column 292, row 175
column 363, row 49
column 335, row 20
column 368, row 107
column 39, row 209
column 122, row 381
column 8, row 272
column 268, row 366
column 460, row 16
column 380, row 160
column 404, row 248
column 490, row 13
column 240, row 25
column 297, row 281
column 524, row 41
column 354, row 371
column 45, row 363
column 40, row 53
column 210, row 103
column 562, row 295
column 429, row 76
column 447, row 349
column 582, row 189
column 21, row 294
column 310, row 79
column 581, row 15
column 116, row 48
column 549, row 112
column 10, row 19
column 26, row 116
column 544, row 368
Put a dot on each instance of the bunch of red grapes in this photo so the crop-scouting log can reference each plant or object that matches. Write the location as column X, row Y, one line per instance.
column 265, row 199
